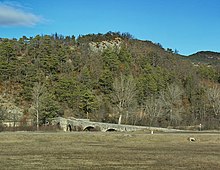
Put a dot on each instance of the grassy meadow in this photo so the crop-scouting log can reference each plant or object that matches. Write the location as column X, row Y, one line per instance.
column 97, row 150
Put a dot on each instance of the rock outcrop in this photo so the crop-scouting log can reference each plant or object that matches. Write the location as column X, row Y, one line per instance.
column 103, row 45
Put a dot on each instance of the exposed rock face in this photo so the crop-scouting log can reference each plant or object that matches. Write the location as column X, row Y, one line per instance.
column 103, row 45
column 9, row 112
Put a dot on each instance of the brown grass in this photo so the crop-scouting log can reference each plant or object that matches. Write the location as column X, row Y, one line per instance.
column 96, row 150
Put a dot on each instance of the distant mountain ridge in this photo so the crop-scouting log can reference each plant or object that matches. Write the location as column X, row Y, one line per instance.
column 205, row 57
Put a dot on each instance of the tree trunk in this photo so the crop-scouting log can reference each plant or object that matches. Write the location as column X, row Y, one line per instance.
column 87, row 115
column 37, row 120
column 119, row 120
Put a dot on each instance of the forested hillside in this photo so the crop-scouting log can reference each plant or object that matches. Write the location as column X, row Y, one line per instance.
column 103, row 76
column 207, row 57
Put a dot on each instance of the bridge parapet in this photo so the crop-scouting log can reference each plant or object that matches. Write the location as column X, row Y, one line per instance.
column 84, row 124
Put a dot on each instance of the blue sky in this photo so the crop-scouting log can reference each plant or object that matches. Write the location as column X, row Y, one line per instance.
column 186, row 25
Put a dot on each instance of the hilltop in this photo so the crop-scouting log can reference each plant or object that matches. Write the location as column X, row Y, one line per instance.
column 103, row 77
column 206, row 57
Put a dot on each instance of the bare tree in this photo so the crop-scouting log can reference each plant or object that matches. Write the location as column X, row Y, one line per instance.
column 153, row 109
column 38, row 91
column 213, row 96
column 172, row 102
column 124, row 94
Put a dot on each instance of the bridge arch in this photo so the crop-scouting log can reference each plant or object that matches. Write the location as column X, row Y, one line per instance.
column 111, row 130
column 92, row 128
column 89, row 128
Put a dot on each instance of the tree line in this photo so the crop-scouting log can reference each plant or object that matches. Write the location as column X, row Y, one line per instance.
column 144, row 84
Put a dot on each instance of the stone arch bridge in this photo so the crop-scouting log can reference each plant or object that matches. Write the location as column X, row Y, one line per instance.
column 73, row 124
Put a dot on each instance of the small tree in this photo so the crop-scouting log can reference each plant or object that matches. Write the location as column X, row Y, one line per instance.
column 49, row 107
column 88, row 102
column 124, row 91
column 43, row 104
column 213, row 96
column 153, row 109
column 38, row 91
column 172, row 102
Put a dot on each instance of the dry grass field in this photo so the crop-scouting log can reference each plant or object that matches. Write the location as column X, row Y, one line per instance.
column 96, row 150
